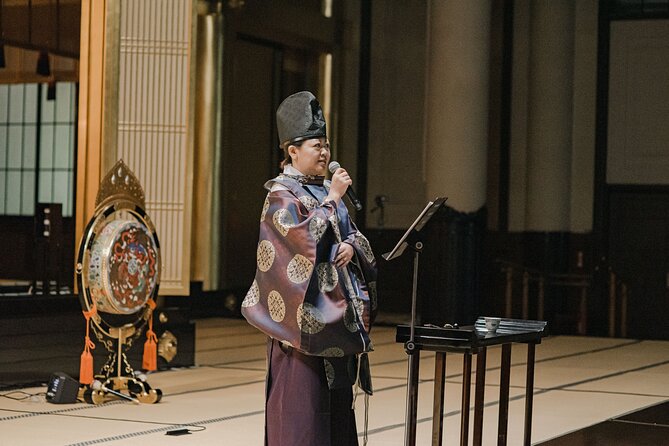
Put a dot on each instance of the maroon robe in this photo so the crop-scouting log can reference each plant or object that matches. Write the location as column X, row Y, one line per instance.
column 300, row 408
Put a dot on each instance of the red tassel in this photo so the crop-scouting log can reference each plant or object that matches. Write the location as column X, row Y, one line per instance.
column 86, row 368
column 86, row 362
column 150, row 358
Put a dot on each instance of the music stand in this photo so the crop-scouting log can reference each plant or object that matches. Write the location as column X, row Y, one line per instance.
column 412, row 239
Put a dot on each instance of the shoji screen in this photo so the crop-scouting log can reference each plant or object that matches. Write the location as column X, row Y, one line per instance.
column 154, row 125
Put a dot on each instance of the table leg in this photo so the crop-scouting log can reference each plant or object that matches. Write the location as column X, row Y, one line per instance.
column 412, row 399
column 479, row 402
column 466, row 390
column 529, row 394
column 438, row 406
column 505, row 375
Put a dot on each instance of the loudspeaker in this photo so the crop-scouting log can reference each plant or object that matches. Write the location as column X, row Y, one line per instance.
column 62, row 389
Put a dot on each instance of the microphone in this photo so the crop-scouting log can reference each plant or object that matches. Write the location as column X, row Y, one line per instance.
column 350, row 193
column 97, row 385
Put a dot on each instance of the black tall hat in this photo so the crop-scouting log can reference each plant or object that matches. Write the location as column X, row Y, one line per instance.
column 300, row 117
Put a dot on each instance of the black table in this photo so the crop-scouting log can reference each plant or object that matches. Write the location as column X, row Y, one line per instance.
column 468, row 341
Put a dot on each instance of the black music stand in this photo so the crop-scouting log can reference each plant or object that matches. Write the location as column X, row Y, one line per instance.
column 412, row 238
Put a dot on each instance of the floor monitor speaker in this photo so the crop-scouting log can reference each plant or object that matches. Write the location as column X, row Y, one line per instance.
column 62, row 389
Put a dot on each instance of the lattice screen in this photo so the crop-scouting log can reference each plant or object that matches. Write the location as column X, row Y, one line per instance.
column 154, row 138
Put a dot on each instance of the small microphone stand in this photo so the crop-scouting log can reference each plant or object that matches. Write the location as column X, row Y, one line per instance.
column 412, row 239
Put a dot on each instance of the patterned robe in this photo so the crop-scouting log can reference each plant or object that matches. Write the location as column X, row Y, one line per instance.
column 317, row 316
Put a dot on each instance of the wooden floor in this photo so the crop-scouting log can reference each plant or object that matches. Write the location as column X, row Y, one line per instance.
column 579, row 383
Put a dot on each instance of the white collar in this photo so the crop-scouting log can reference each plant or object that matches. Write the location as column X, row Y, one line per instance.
column 288, row 169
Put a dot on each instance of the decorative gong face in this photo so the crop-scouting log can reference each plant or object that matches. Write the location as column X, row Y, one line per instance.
column 122, row 267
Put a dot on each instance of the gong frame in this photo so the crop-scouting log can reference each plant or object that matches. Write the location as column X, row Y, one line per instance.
column 120, row 197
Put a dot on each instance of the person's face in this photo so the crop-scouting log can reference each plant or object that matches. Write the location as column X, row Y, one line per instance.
column 312, row 157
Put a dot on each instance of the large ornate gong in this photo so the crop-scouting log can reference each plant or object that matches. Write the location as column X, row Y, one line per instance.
column 122, row 267
column 118, row 270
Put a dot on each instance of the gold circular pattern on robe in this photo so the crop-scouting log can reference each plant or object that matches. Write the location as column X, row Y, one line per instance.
column 265, row 256
column 350, row 319
column 327, row 277
column 265, row 208
column 283, row 221
column 276, row 306
column 309, row 202
column 332, row 352
column 317, row 227
column 365, row 247
column 329, row 372
column 299, row 269
column 310, row 319
column 252, row 297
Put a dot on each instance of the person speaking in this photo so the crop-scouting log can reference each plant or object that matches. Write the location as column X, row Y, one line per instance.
column 314, row 292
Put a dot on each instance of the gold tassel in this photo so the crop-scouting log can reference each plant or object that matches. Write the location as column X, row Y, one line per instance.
column 150, row 358
column 86, row 362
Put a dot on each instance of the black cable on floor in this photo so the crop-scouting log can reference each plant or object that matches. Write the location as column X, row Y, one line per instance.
column 24, row 395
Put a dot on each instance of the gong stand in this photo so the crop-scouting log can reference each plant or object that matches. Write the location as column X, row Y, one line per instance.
column 118, row 272
column 117, row 375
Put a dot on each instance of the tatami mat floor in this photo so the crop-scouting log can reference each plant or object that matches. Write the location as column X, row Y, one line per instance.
column 578, row 382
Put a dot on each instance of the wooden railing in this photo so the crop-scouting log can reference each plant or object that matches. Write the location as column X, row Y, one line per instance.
column 582, row 282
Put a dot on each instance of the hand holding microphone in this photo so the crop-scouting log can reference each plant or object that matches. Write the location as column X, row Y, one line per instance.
column 340, row 180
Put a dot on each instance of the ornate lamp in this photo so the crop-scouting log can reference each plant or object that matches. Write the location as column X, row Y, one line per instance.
column 118, row 273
